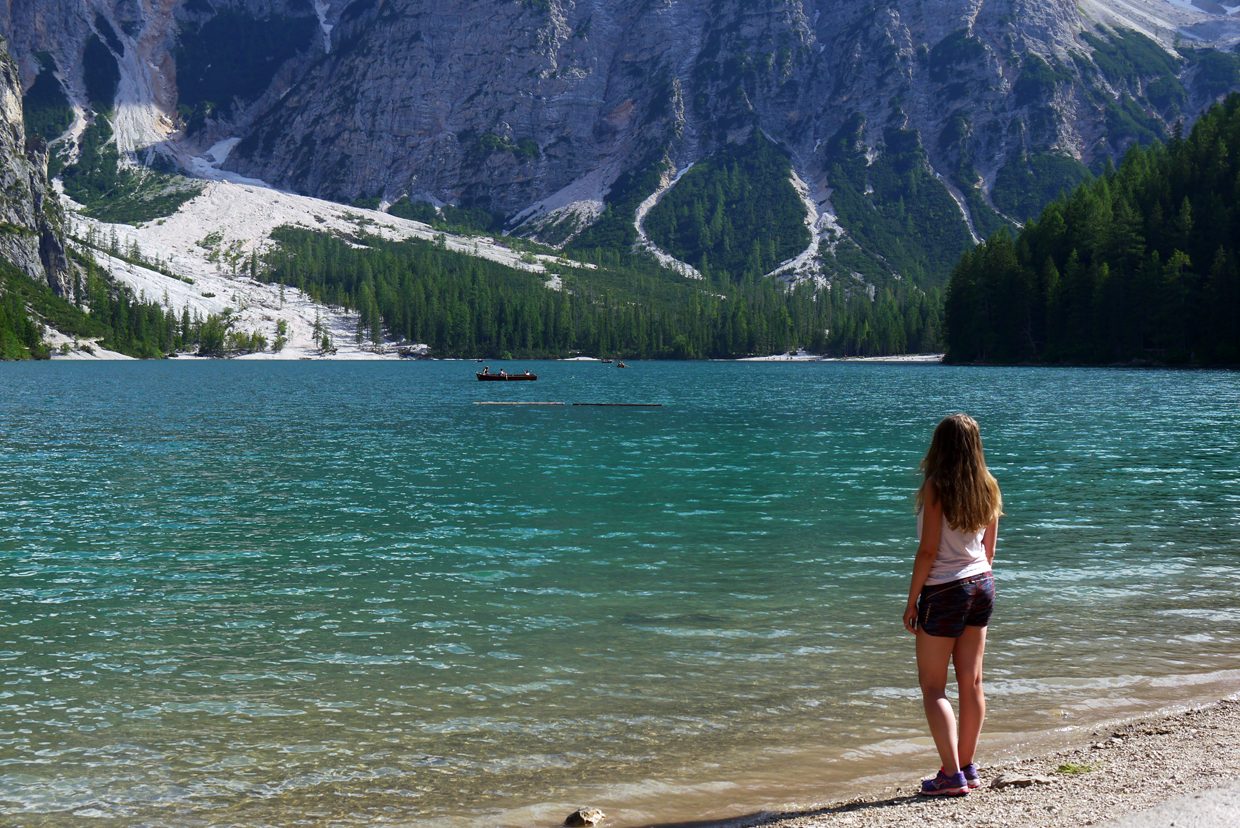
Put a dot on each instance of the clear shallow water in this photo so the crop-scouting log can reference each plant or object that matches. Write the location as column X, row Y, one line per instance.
column 297, row 593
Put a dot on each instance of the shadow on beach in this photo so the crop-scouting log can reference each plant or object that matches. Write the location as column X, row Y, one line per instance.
column 768, row 817
column 1197, row 748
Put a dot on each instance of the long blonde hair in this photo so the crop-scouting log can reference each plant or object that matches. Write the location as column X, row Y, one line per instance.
column 955, row 468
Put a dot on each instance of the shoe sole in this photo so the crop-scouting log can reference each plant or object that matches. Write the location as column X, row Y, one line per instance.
column 946, row 792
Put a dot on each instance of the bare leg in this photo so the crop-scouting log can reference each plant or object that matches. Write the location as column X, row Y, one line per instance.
column 933, row 654
column 967, row 658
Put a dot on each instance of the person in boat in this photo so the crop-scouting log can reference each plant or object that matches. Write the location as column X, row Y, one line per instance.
column 502, row 372
column 486, row 369
column 622, row 365
column 527, row 373
column 952, row 594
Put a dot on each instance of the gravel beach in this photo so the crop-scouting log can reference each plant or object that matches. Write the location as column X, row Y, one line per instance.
column 1122, row 770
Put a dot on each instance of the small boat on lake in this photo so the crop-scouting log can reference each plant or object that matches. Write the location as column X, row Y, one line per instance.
column 503, row 376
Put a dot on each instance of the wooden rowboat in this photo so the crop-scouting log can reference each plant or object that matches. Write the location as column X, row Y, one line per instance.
column 505, row 377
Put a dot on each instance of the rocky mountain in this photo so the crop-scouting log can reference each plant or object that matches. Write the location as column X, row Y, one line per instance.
column 911, row 127
column 31, row 220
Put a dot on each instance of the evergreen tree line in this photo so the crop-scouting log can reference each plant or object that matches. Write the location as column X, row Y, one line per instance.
column 100, row 309
column 1140, row 264
column 150, row 330
column 420, row 292
column 20, row 335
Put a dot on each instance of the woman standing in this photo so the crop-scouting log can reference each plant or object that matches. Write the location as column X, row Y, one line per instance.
column 952, row 594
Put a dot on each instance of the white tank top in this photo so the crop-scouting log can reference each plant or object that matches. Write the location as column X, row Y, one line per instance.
column 961, row 554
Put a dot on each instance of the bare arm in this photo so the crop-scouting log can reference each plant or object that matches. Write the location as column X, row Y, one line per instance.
column 990, row 539
column 927, row 551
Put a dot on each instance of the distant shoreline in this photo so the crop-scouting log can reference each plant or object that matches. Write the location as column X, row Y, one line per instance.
column 98, row 354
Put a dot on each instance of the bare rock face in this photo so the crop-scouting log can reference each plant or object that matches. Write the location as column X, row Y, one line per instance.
column 523, row 107
column 31, row 222
column 502, row 104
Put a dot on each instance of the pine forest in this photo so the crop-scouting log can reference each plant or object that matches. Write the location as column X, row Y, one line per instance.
column 1137, row 266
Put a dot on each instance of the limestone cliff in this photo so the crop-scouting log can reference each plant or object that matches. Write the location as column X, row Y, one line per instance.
column 31, row 220
column 502, row 104
column 528, row 107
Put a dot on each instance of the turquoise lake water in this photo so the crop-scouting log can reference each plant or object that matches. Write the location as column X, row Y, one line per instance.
column 325, row 593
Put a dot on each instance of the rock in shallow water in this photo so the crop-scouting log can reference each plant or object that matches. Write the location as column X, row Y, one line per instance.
column 584, row 816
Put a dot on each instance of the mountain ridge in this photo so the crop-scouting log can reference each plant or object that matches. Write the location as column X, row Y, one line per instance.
column 881, row 140
column 533, row 110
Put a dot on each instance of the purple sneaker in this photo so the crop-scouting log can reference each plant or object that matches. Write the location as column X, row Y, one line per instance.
column 945, row 784
column 972, row 775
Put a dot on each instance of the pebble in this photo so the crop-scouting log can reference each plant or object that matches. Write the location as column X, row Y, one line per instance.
column 1011, row 780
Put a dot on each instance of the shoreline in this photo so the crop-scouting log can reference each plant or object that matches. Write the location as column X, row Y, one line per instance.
column 98, row 353
column 1102, row 776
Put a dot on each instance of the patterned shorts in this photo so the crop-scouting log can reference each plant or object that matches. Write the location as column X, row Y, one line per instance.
column 946, row 609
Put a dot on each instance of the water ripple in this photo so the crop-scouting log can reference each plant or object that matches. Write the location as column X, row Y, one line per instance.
column 247, row 594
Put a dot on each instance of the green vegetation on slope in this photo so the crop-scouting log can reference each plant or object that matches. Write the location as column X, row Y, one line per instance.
column 895, row 207
column 1038, row 81
column 736, row 213
column 447, row 218
column 1141, row 264
column 1216, row 72
column 1128, row 124
column 45, row 107
column 125, row 323
column 113, row 193
column 109, row 313
column 465, row 306
column 956, row 140
column 1139, row 69
column 480, row 147
column 1125, row 56
column 613, row 229
column 21, row 336
column 1027, row 183
column 953, row 53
